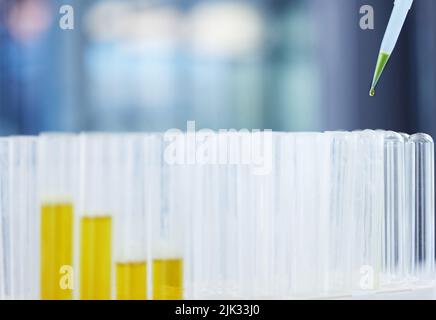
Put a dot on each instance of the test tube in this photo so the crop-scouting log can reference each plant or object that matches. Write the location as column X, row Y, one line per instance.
column 5, row 241
column 339, row 233
column 97, row 206
column 285, row 201
column 23, row 218
column 306, row 222
column 57, row 160
column 421, row 148
column 395, row 248
column 205, row 241
column 245, row 217
column 263, row 148
column 198, row 274
column 168, row 227
column 130, row 220
column 368, row 211
column 247, row 248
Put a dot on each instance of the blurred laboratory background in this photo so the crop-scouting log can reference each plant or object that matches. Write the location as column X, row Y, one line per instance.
column 136, row 65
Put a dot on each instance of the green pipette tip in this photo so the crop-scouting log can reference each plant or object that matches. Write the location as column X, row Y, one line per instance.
column 382, row 61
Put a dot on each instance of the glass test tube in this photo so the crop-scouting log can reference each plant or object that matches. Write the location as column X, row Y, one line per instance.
column 5, row 241
column 284, row 198
column 423, row 210
column 97, row 203
column 338, row 272
column 409, row 205
column 244, row 217
column 395, row 253
column 214, row 237
column 306, row 220
column 130, row 221
column 168, row 228
column 368, row 211
column 57, row 160
column 262, row 212
column 23, row 219
column 230, row 260
column 204, row 238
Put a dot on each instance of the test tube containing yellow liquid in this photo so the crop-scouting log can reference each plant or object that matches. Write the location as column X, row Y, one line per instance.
column 96, row 209
column 167, row 223
column 130, row 231
column 57, row 163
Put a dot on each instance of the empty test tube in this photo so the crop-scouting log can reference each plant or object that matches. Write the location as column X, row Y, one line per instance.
column 367, row 212
column 339, row 233
column 395, row 248
column 23, row 219
column 423, row 219
column 5, row 242
column 57, row 160
column 284, row 201
column 306, row 222
column 209, row 263
column 263, row 214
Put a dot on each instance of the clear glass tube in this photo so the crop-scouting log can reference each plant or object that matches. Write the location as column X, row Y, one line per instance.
column 339, row 232
column 57, row 173
column 197, row 271
column 5, row 240
column 97, row 204
column 263, row 215
column 245, row 220
column 395, row 248
column 423, row 233
column 205, row 238
column 23, row 220
column 285, row 202
column 130, row 220
column 308, row 261
column 368, row 210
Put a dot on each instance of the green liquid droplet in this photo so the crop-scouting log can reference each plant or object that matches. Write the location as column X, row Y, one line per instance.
column 382, row 61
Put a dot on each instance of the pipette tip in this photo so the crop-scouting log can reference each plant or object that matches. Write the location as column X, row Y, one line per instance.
column 382, row 61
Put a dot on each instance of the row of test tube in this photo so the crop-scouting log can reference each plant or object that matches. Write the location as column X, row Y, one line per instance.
column 76, row 219
column 124, row 216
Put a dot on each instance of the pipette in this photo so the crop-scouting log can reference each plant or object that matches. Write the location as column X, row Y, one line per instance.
column 396, row 22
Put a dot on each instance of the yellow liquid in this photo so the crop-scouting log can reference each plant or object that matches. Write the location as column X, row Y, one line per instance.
column 168, row 279
column 56, row 249
column 132, row 281
column 95, row 258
